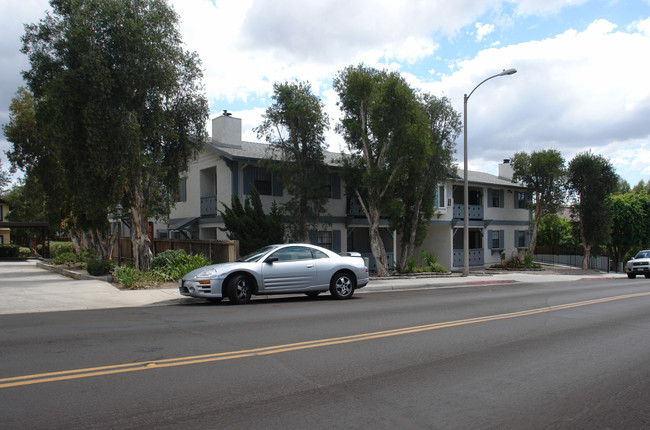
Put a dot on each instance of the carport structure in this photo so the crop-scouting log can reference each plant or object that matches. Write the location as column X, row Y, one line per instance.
column 43, row 227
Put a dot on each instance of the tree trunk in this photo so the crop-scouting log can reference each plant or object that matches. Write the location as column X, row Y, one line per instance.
column 376, row 244
column 409, row 246
column 533, row 236
column 587, row 248
column 140, row 242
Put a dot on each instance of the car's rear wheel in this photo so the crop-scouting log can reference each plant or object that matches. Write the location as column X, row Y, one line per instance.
column 631, row 275
column 647, row 275
column 342, row 285
column 239, row 289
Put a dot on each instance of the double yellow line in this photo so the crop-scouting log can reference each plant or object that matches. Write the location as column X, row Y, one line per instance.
column 277, row 349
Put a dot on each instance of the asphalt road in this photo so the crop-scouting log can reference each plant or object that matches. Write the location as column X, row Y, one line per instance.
column 563, row 355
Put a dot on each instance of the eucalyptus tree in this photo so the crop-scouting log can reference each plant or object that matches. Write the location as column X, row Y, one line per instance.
column 425, row 171
column 591, row 178
column 119, row 109
column 544, row 174
column 383, row 125
column 295, row 125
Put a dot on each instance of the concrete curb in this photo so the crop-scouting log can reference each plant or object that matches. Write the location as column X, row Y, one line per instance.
column 74, row 275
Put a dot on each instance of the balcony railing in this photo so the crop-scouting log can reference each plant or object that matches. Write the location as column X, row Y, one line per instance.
column 475, row 211
column 208, row 206
column 476, row 257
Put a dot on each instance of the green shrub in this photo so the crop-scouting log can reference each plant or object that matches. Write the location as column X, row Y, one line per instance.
column 99, row 267
column 172, row 265
column 65, row 258
column 428, row 263
column 133, row 279
column 58, row 248
column 24, row 252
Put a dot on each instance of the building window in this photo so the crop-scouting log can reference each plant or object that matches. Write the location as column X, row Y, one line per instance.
column 495, row 198
column 181, row 195
column 521, row 238
column 325, row 239
column 521, row 200
column 263, row 182
column 495, row 238
column 440, row 198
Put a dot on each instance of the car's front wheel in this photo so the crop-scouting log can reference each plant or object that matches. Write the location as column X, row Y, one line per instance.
column 342, row 285
column 239, row 289
column 631, row 275
column 647, row 275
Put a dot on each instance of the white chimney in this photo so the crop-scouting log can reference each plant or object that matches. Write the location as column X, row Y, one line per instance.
column 226, row 130
column 505, row 170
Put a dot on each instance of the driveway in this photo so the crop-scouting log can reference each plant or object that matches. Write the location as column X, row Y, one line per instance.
column 25, row 288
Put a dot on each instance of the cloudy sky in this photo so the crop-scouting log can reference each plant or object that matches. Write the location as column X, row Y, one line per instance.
column 583, row 80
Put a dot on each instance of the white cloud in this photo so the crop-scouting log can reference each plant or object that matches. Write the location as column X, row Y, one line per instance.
column 572, row 92
column 483, row 30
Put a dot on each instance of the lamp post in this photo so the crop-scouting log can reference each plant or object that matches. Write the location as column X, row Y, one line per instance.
column 465, row 180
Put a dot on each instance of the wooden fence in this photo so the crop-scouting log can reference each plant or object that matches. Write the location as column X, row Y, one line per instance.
column 218, row 251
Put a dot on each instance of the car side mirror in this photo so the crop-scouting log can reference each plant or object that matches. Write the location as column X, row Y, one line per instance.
column 271, row 260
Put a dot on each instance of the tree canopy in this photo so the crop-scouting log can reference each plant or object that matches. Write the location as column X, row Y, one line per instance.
column 429, row 165
column 383, row 125
column 295, row 126
column 118, row 107
column 544, row 174
column 590, row 179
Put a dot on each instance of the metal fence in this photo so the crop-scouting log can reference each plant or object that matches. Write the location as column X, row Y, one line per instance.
column 218, row 251
column 601, row 263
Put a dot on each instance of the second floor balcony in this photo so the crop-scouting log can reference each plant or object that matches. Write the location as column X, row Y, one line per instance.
column 474, row 211
column 209, row 206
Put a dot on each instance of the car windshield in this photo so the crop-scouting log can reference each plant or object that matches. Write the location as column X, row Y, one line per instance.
column 642, row 254
column 256, row 255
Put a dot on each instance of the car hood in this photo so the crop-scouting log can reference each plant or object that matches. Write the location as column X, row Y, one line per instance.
column 219, row 268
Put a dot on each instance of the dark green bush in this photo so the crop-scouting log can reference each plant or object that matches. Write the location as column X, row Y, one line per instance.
column 99, row 267
column 9, row 251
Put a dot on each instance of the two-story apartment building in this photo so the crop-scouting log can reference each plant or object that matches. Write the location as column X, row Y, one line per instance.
column 498, row 214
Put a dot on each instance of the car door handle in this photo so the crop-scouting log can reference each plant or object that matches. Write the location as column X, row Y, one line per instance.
column 309, row 266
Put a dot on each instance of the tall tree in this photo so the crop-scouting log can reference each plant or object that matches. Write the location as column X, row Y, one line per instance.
column 630, row 223
column 382, row 126
column 424, row 172
column 295, row 126
column 119, row 108
column 543, row 173
column 590, row 179
column 42, row 192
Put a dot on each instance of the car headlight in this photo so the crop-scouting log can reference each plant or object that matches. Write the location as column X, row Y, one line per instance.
column 206, row 274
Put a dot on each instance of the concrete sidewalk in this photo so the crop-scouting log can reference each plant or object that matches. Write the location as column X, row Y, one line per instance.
column 25, row 288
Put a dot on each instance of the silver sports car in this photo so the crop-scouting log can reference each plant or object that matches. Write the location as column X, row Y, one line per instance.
column 279, row 269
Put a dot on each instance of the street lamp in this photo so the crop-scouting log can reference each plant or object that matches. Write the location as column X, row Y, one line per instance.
column 465, row 181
